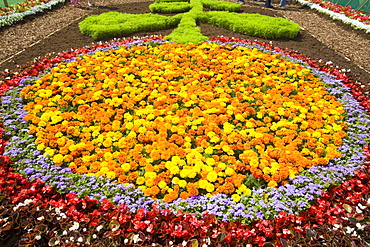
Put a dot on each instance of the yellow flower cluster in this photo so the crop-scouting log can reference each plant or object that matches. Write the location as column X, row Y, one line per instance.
column 184, row 120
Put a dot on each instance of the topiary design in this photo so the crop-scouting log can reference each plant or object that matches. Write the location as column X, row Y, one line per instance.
column 113, row 24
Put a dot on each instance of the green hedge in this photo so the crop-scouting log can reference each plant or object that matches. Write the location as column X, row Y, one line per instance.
column 221, row 5
column 114, row 24
column 170, row 7
column 187, row 30
column 252, row 24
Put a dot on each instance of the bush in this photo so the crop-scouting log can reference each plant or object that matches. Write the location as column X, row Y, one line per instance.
column 221, row 5
column 114, row 24
column 252, row 24
column 170, row 7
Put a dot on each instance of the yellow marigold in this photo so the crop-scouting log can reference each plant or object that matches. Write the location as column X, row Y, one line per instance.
column 212, row 176
column 210, row 187
column 140, row 180
column 182, row 183
column 58, row 158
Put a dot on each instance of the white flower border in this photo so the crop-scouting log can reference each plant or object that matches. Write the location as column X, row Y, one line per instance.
column 8, row 20
column 337, row 16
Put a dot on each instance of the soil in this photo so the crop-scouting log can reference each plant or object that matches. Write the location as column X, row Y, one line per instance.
column 70, row 37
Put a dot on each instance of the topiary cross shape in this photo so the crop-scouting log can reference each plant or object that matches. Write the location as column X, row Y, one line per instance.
column 114, row 24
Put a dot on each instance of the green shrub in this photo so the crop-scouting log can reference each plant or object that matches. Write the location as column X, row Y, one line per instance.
column 252, row 24
column 184, row 35
column 170, row 7
column 221, row 5
column 114, row 24
column 187, row 30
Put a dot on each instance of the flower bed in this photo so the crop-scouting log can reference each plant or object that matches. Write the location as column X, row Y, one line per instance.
column 353, row 17
column 199, row 150
column 13, row 14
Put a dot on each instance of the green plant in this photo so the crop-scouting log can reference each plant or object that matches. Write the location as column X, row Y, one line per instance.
column 114, row 24
column 252, row 24
column 170, row 7
column 110, row 25
column 221, row 5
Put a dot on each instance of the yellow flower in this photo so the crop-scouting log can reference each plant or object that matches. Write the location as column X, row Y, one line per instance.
column 150, row 174
column 108, row 156
column 107, row 142
column 182, row 183
column 41, row 146
column 174, row 170
column 210, row 161
column 229, row 171
column 210, row 188
column 111, row 174
column 209, row 150
column 140, row 180
column 149, row 182
column 272, row 183
column 212, row 176
column 203, row 184
column 104, row 170
column 126, row 167
column 162, row 184
column 175, row 180
column 58, row 158
column 235, row 197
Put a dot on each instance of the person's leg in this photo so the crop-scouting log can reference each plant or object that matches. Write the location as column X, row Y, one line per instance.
column 283, row 3
column 268, row 4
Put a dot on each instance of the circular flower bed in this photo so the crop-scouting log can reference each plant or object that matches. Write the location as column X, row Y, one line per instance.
column 239, row 130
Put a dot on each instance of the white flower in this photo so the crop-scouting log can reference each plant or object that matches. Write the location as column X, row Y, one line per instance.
column 80, row 239
column 94, row 236
column 99, row 228
column 337, row 16
column 136, row 238
column 40, row 218
column 75, row 226
column 65, row 232
column 349, row 229
column 359, row 226
column 336, row 226
column 361, row 206
column 358, row 210
column 38, row 237
column 7, row 20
